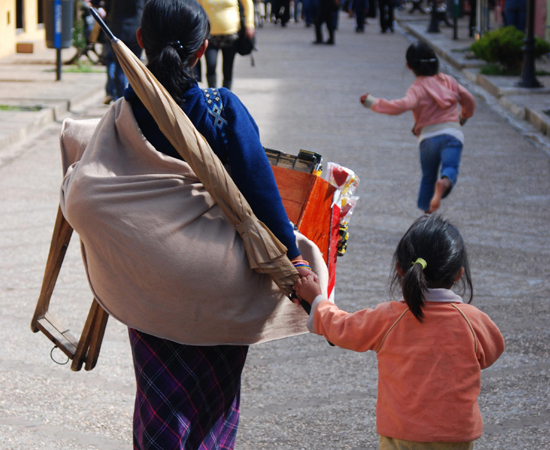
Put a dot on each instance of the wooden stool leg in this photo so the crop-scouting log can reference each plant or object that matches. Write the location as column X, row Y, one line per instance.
column 85, row 338
column 60, row 241
column 97, row 338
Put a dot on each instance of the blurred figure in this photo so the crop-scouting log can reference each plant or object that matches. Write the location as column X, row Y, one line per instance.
column 386, row 14
column 515, row 12
column 281, row 8
column 225, row 22
column 123, row 18
column 325, row 14
column 309, row 8
column 360, row 9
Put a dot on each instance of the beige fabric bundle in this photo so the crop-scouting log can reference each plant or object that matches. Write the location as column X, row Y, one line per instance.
column 159, row 253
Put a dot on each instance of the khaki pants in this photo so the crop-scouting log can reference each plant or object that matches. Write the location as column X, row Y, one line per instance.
column 387, row 443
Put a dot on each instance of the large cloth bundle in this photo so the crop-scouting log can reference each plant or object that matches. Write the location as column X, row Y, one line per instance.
column 159, row 253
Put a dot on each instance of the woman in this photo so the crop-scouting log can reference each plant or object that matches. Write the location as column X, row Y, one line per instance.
column 225, row 22
column 159, row 253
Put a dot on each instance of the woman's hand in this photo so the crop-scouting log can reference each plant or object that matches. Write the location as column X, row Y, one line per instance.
column 307, row 288
column 363, row 99
column 249, row 31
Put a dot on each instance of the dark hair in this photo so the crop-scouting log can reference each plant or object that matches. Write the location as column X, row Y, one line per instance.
column 172, row 32
column 439, row 243
column 422, row 59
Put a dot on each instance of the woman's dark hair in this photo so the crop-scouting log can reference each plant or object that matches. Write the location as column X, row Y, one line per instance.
column 440, row 245
column 422, row 59
column 172, row 32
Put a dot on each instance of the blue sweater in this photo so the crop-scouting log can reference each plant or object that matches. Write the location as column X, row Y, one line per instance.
column 238, row 145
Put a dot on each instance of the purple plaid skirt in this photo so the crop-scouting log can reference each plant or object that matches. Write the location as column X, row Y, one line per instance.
column 188, row 397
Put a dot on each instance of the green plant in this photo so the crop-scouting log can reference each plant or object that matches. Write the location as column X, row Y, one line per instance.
column 505, row 46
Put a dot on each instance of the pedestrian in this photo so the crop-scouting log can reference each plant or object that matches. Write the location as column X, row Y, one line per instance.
column 166, row 236
column 515, row 12
column 430, row 346
column 123, row 18
column 360, row 8
column 282, row 11
column 324, row 13
column 386, row 15
column 225, row 22
column 433, row 98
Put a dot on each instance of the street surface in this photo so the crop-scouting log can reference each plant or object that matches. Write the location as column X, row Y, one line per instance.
column 299, row 393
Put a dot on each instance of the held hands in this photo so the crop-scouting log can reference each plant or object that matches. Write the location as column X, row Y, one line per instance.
column 308, row 287
column 363, row 99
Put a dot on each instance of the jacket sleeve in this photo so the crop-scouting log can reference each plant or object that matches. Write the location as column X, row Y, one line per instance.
column 252, row 173
column 398, row 106
column 248, row 9
column 360, row 331
column 490, row 340
column 467, row 102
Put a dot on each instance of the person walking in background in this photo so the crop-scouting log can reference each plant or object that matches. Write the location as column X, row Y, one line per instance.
column 123, row 18
column 360, row 8
column 515, row 12
column 281, row 9
column 430, row 346
column 325, row 14
column 386, row 8
column 309, row 8
column 225, row 22
column 433, row 98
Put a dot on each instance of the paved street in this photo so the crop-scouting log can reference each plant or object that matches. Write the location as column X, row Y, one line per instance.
column 300, row 393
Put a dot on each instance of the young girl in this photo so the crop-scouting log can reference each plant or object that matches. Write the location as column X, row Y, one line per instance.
column 431, row 346
column 433, row 99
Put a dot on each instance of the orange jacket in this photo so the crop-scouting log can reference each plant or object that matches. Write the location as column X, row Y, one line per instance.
column 429, row 373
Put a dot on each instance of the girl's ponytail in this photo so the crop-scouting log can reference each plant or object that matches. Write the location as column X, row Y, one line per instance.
column 413, row 286
column 430, row 255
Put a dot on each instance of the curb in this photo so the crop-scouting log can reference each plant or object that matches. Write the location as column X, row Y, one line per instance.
column 536, row 117
column 52, row 111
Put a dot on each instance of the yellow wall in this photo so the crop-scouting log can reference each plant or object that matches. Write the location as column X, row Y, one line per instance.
column 31, row 31
column 7, row 30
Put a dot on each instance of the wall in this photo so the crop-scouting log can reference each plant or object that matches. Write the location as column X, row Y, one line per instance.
column 7, row 27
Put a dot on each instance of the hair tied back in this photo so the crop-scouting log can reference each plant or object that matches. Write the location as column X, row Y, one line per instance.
column 176, row 44
column 422, row 262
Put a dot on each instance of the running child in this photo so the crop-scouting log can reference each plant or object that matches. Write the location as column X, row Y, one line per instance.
column 431, row 346
column 433, row 98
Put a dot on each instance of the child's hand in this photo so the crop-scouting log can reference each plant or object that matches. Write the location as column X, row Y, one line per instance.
column 307, row 288
column 363, row 99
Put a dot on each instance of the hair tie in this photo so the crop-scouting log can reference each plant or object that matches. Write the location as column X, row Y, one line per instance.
column 427, row 60
column 422, row 262
column 176, row 44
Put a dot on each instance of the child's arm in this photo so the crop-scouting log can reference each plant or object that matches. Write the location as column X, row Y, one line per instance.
column 360, row 331
column 391, row 107
column 467, row 103
column 490, row 340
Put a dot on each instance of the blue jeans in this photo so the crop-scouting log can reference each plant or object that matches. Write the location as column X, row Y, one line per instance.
column 439, row 151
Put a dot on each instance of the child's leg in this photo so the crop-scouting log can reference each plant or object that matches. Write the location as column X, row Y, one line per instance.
column 450, row 162
column 430, row 159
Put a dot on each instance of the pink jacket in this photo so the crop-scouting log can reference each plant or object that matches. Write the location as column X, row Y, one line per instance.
column 432, row 100
column 429, row 373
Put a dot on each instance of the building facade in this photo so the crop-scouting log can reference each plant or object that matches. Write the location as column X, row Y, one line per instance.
column 21, row 21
